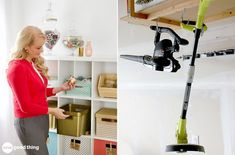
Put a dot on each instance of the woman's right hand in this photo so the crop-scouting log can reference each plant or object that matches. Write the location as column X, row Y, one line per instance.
column 58, row 113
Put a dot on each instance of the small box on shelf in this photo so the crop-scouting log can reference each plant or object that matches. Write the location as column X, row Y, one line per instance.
column 82, row 88
column 103, row 147
column 78, row 123
column 52, row 143
column 106, row 123
column 107, row 85
column 76, row 145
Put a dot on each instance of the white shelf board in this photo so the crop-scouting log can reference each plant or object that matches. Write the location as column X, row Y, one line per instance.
column 62, row 95
column 53, row 130
column 74, row 96
column 67, row 58
column 104, row 138
column 83, row 136
column 76, row 58
column 52, row 98
column 104, row 99
column 86, row 136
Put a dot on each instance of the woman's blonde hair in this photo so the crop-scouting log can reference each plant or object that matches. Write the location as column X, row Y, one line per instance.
column 26, row 37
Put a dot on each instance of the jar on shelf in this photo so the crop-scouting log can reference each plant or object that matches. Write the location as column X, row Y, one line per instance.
column 50, row 31
column 80, row 51
column 88, row 49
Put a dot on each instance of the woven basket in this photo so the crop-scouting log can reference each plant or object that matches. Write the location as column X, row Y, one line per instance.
column 107, row 85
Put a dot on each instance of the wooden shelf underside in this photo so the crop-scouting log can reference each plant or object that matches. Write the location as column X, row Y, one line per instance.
column 171, row 12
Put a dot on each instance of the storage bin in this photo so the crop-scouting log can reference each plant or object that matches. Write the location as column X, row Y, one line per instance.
column 52, row 119
column 83, row 89
column 107, row 85
column 103, row 147
column 78, row 123
column 76, row 145
column 52, row 143
column 106, row 123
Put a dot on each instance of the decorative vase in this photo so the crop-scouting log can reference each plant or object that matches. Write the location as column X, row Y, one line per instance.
column 72, row 43
column 52, row 36
column 49, row 28
column 88, row 49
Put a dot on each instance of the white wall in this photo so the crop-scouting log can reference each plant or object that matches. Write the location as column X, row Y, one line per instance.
column 93, row 20
column 150, row 101
column 8, row 133
column 148, row 120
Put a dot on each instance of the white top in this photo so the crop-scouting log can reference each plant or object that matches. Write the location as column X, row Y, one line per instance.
column 37, row 72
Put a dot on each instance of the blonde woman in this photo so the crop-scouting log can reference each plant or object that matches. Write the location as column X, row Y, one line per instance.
column 28, row 79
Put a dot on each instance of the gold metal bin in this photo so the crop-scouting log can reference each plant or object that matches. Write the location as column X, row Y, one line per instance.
column 52, row 119
column 78, row 123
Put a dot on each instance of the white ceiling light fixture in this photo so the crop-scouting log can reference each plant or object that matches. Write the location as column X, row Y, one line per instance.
column 49, row 14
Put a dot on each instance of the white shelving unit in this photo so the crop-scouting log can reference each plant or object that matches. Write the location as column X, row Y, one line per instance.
column 60, row 68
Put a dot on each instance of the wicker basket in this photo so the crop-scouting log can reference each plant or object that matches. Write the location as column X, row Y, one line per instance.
column 107, row 85
column 106, row 123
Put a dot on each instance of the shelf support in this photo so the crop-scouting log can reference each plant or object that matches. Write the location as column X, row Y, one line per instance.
column 131, row 10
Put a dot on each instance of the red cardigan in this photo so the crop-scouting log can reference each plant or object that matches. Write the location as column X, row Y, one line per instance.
column 29, row 92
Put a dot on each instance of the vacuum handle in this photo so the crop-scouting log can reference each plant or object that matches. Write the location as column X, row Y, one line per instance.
column 190, row 75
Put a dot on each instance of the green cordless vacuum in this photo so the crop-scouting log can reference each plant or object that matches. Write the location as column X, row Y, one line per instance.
column 181, row 134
